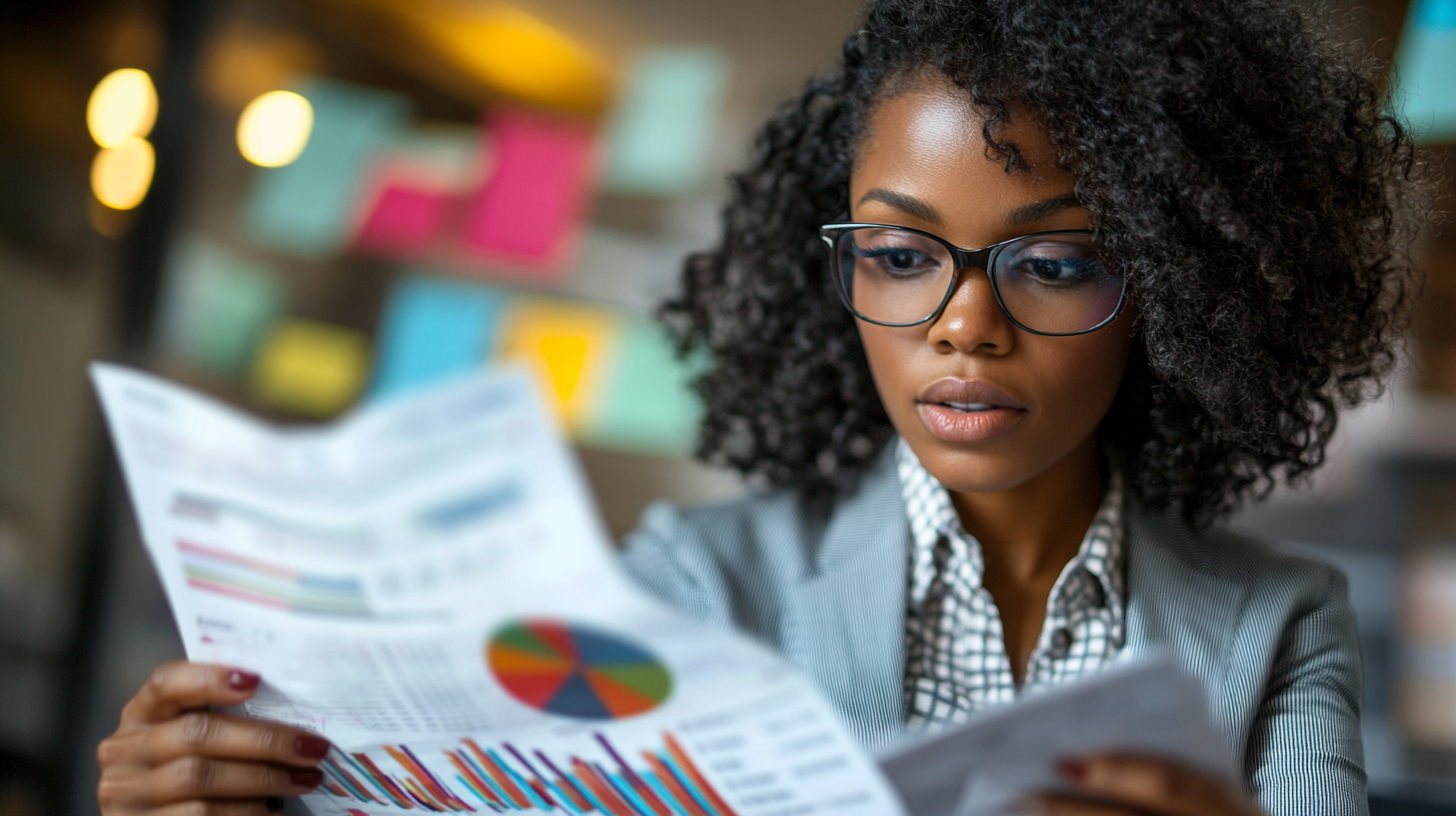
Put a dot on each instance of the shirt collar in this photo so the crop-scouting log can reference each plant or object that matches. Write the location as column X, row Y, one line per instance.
column 932, row 517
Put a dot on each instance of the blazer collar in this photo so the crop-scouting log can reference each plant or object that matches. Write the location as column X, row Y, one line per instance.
column 1181, row 602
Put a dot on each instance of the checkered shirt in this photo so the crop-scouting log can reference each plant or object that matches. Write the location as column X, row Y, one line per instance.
column 955, row 648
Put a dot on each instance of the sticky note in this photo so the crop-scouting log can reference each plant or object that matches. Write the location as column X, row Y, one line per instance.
column 403, row 221
column 308, row 207
column 568, row 344
column 647, row 405
column 433, row 329
column 310, row 368
column 413, row 188
column 1425, row 72
column 215, row 307
column 529, row 214
column 664, row 122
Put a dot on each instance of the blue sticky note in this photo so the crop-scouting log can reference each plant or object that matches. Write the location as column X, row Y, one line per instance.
column 307, row 207
column 649, row 405
column 663, row 125
column 1425, row 72
column 433, row 329
column 215, row 307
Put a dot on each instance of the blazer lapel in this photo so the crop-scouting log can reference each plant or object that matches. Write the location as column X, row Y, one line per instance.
column 849, row 614
column 1179, row 605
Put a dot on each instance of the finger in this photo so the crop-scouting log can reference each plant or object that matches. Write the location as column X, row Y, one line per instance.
column 201, row 778
column 1053, row 805
column 1150, row 784
column 178, row 686
column 237, row 807
column 224, row 736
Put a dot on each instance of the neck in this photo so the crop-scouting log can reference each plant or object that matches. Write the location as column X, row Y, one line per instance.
column 1038, row 526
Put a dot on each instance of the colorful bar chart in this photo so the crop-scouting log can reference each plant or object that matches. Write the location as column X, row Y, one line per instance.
column 248, row 579
column 505, row 779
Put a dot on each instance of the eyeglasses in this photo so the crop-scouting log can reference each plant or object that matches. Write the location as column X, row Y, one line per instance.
column 1055, row 283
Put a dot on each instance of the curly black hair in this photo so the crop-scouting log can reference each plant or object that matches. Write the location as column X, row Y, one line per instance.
column 1241, row 165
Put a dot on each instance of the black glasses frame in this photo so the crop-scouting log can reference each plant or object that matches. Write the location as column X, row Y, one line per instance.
column 982, row 259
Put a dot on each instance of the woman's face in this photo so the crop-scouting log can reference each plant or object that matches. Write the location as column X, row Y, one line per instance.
column 924, row 165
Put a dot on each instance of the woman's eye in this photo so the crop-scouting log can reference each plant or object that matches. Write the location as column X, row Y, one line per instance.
column 900, row 260
column 1059, row 271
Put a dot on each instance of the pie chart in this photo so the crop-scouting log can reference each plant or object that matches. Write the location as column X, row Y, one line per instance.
column 576, row 671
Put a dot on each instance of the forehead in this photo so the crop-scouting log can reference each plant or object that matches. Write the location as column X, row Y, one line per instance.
column 928, row 134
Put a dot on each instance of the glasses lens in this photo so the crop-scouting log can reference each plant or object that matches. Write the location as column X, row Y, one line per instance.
column 893, row 276
column 1058, row 284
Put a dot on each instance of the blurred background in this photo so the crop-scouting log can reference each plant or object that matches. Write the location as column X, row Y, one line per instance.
column 302, row 205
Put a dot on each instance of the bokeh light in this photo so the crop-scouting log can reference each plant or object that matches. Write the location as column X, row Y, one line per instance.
column 274, row 128
column 122, row 106
column 121, row 175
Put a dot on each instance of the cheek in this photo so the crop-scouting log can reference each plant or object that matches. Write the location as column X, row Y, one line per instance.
column 890, row 353
column 1080, row 375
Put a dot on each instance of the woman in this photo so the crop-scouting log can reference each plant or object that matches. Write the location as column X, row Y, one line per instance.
column 1010, row 309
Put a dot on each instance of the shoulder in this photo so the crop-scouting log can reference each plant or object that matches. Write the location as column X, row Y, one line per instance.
column 1257, row 569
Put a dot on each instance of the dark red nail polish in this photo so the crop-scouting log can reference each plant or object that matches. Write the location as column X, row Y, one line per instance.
column 307, row 745
column 1073, row 770
column 239, row 680
column 274, row 804
column 305, row 779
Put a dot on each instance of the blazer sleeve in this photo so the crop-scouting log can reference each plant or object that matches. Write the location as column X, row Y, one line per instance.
column 1304, row 754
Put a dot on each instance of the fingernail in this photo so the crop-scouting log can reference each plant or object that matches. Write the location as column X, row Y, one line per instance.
column 307, row 745
column 239, row 680
column 305, row 779
column 1073, row 770
column 274, row 804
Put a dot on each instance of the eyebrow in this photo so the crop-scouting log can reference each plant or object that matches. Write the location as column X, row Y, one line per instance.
column 910, row 205
column 1040, row 210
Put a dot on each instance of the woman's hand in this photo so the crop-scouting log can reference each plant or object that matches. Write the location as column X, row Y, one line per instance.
column 172, row 756
column 1124, row 786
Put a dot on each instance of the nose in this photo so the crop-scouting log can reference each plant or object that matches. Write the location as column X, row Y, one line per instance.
column 972, row 321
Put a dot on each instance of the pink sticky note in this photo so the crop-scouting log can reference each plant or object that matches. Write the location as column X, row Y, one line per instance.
column 529, row 214
column 403, row 221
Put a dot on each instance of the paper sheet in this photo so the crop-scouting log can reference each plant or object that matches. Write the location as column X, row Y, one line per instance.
column 426, row 584
column 1149, row 708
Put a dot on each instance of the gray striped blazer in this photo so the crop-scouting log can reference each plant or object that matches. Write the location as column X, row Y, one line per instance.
column 1271, row 636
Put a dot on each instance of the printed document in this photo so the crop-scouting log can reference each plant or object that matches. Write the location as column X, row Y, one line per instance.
column 427, row 584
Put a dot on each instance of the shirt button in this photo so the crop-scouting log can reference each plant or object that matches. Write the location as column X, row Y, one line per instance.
column 1061, row 643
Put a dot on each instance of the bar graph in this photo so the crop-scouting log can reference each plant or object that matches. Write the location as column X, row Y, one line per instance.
column 505, row 779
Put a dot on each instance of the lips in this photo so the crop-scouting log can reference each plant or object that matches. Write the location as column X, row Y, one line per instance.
column 968, row 410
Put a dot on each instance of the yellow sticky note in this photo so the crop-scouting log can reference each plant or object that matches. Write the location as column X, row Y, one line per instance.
column 569, row 345
column 310, row 368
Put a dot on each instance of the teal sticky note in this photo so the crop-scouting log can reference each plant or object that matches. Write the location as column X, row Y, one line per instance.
column 308, row 207
column 215, row 307
column 648, row 405
column 433, row 329
column 1425, row 72
column 664, row 122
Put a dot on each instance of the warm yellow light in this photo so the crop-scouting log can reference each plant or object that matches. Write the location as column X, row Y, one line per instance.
column 122, row 106
column 121, row 175
column 513, row 52
column 274, row 128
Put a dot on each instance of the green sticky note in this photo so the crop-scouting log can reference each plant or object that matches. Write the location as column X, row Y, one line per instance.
column 648, row 405
column 1425, row 72
column 308, row 207
column 664, row 122
column 215, row 308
